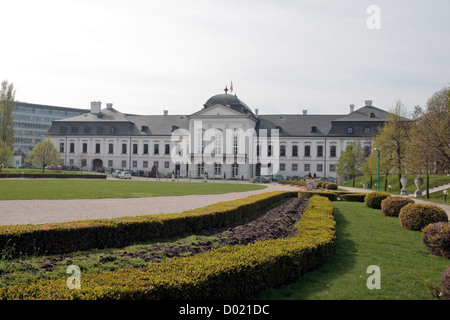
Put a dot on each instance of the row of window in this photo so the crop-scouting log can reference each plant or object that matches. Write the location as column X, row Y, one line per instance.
column 307, row 167
column 111, row 148
column 307, row 151
column 156, row 149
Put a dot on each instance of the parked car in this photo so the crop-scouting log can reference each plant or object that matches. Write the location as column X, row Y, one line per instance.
column 116, row 173
column 147, row 174
column 126, row 174
column 260, row 179
column 278, row 177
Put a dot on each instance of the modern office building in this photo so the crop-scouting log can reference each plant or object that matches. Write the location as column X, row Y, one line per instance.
column 225, row 138
column 32, row 121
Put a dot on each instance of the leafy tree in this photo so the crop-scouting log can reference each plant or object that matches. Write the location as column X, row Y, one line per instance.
column 7, row 105
column 6, row 155
column 433, row 127
column 393, row 140
column 349, row 162
column 44, row 154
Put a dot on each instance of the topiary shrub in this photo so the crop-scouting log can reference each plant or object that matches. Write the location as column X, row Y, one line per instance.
column 373, row 199
column 445, row 281
column 436, row 237
column 355, row 197
column 330, row 186
column 391, row 206
column 416, row 216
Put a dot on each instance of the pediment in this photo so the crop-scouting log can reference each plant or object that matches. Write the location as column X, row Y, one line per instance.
column 217, row 110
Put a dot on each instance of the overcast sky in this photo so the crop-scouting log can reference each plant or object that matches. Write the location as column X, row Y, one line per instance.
column 282, row 56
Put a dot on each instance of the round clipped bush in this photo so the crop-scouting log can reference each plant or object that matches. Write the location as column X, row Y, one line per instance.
column 436, row 237
column 373, row 199
column 331, row 186
column 391, row 206
column 415, row 216
column 445, row 292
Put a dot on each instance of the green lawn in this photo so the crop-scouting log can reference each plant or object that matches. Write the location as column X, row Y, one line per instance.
column 435, row 181
column 17, row 189
column 366, row 237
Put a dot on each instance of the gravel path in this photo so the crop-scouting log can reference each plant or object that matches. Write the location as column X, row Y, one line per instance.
column 15, row 212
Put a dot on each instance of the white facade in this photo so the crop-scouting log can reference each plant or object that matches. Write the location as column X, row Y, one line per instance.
column 204, row 142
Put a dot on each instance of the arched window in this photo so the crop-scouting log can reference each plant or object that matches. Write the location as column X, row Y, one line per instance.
column 307, row 151
column 320, row 151
column 332, row 151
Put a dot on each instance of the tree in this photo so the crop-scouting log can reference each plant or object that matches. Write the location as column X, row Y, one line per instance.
column 7, row 105
column 349, row 162
column 393, row 139
column 6, row 155
column 433, row 127
column 44, row 154
column 418, row 160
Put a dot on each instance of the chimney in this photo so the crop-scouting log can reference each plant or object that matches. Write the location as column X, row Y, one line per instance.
column 96, row 107
column 166, row 112
column 305, row 112
column 352, row 108
column 256, row 112
column 109, row 105
column 368, row 103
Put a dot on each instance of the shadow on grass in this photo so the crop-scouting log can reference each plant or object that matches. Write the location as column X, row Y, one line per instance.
column 316, row 282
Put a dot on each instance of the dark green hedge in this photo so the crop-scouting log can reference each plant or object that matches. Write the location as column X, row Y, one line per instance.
column 332, row 196
column 118, row 232
column 53, row 175
column 356, row 197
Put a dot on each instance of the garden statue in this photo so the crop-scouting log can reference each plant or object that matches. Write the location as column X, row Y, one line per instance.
column 418, row 181
column 404, row 181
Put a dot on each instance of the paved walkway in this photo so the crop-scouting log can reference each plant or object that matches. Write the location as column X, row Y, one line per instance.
column 446, row 207
column 14, row 212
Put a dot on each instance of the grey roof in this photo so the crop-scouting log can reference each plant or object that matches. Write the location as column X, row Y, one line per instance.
column 297, row 125
column 112, row 122
column 366, row 113
column 107, row 114
column 230, row 101
column 159, row 124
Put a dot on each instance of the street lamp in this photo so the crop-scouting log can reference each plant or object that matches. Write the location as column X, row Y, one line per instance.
column 378, row 185
column 445, row 195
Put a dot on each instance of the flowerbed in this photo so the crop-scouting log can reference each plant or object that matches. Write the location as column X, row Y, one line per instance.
column 118, row 232
column 233, row 272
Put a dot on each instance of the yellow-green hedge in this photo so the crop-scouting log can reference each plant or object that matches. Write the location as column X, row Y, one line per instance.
column 118, row 232
column 233, row 272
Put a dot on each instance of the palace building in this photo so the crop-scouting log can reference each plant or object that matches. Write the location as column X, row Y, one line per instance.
column 225, row 138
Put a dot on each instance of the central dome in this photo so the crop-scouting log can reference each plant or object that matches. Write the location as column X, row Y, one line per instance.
column 229, row 101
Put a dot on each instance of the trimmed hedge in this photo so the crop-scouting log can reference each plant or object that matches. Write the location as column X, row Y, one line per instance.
column 53, row 175
column 391, row 206
column 356, row 197
column 233, row 272
column 436, row 237
column 118, row 232
column 308, row 194
column 330, row 185
column 415, row 216
column 373, row 199
column 293, row 182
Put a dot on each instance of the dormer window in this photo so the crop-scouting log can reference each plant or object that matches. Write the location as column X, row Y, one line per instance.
column 313, row 129
column 349, row 130
column 372, row 115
